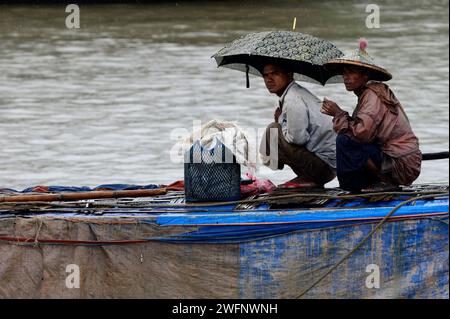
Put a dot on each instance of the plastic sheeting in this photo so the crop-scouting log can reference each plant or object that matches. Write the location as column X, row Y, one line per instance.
column 411, row 255
column 231, row 135
column 409, row 259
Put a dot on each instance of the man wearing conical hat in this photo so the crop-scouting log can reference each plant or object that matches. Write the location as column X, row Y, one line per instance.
column 376, row 148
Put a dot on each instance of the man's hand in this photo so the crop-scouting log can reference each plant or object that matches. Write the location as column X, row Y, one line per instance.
column 330, row 108
column 277, row 114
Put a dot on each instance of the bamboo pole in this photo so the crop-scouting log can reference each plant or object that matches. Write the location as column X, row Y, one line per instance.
column 84, row 195
column 434, row 156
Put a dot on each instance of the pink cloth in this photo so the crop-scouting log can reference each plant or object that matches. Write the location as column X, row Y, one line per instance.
column 258, row 186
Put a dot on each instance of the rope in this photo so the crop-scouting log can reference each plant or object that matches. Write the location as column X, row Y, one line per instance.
column 366, row 238
column 27, row 241
column 37, row 232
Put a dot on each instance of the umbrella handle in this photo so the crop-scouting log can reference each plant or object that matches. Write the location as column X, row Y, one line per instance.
column 246, row 76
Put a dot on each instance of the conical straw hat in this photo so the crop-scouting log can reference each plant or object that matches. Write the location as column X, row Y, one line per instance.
column 360, row 58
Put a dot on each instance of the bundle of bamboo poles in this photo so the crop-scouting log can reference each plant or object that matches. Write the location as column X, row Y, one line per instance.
column 83, row 195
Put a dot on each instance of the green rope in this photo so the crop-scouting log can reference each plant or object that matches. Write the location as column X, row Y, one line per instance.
column 366, row 238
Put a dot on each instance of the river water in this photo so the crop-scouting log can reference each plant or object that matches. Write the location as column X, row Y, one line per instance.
column 100, row 104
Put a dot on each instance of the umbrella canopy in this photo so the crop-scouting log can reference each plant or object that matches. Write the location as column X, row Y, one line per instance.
column 303, row 54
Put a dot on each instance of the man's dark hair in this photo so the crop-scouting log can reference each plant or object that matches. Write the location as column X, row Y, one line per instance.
column 285, row 67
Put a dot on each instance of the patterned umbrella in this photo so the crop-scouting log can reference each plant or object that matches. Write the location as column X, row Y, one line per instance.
column 301, row 53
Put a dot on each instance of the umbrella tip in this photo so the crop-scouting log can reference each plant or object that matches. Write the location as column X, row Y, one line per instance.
column 294, row 23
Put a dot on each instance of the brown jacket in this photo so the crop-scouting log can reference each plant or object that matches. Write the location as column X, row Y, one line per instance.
column 379, row 118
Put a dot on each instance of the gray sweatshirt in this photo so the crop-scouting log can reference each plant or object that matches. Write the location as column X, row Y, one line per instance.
column 303, row 124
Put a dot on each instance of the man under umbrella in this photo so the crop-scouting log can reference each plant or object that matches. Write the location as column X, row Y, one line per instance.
column 300, row 136
column 303, row 137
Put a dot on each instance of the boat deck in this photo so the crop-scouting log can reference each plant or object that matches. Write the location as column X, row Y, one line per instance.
column 255, row 217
